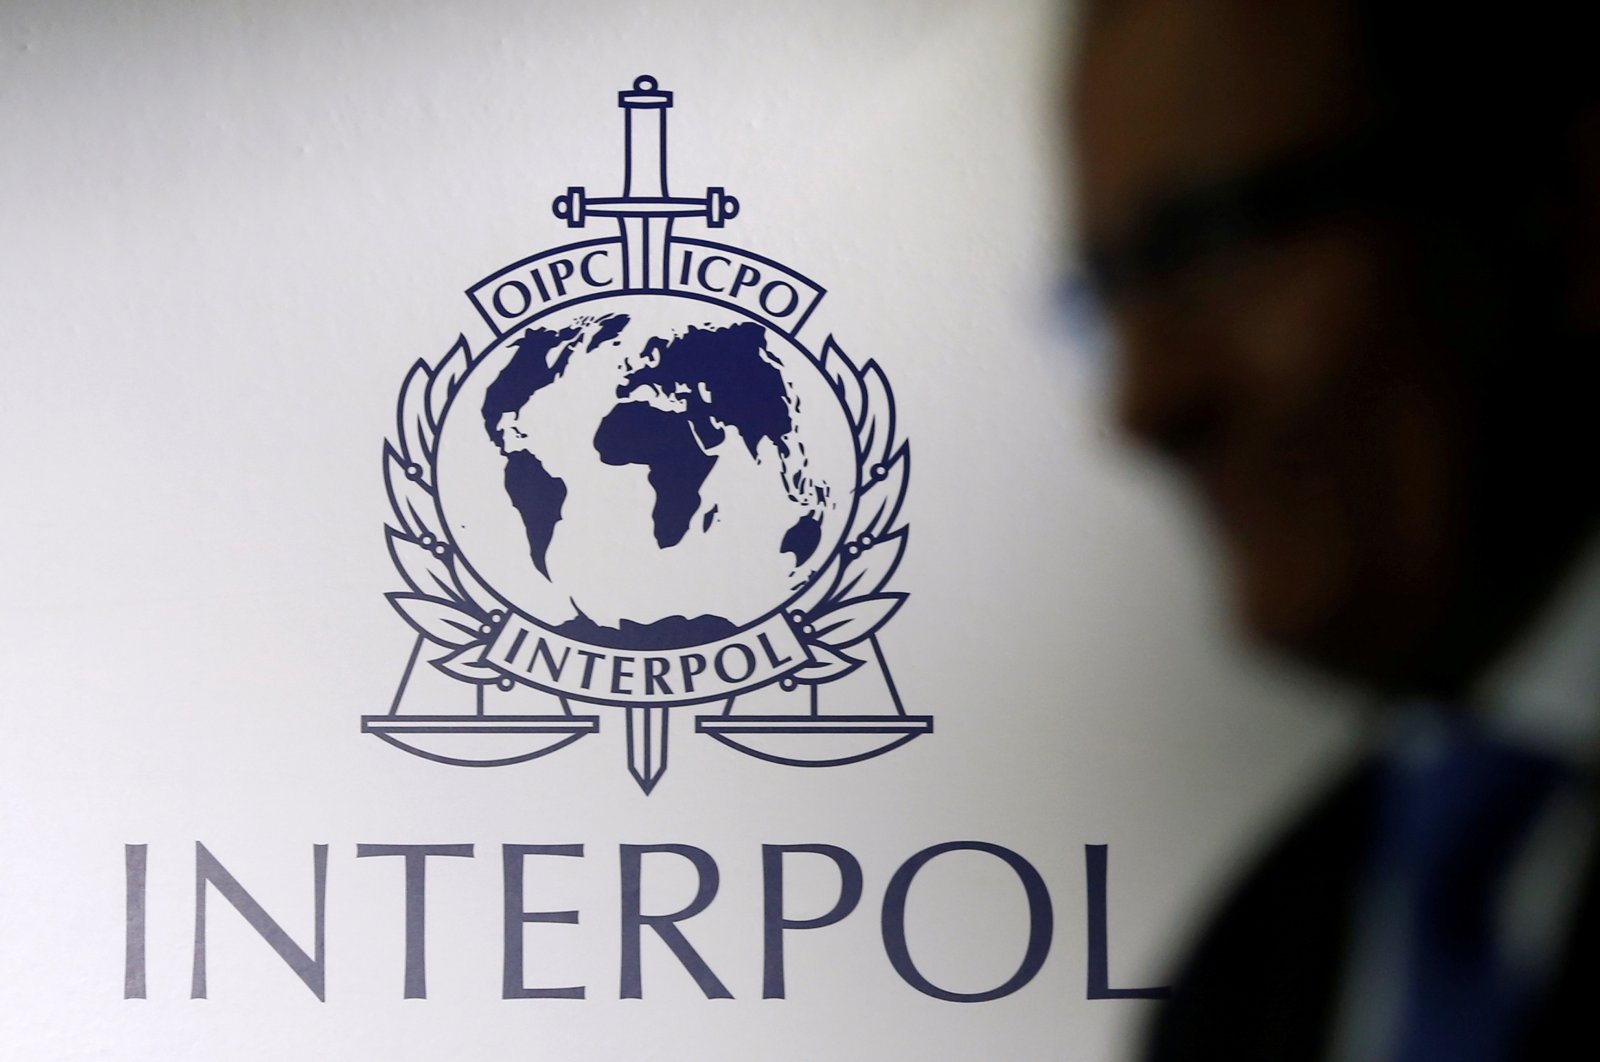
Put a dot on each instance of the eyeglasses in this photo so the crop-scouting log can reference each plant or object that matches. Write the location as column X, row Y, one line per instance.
column 1203, row 225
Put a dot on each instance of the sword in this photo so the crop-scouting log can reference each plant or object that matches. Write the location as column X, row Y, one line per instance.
column 645, row 213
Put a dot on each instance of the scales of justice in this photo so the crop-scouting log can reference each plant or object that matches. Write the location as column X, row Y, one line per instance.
column 483, row 686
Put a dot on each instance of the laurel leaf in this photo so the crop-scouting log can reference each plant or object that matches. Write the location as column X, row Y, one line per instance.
column 412, row 502
column 849, row 623
column 846, row 380
column 438, row 620
column 878, row 502
column 446, row 378
column 826, row 665
column 477, row 592
column 819, row 590
column 416, row 436
column 468, row 666
column 869, row 571
column 875, row 433
column 424, row 571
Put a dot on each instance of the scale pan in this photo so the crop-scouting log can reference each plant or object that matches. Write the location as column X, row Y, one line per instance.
column 480, row 740
column 814, row 740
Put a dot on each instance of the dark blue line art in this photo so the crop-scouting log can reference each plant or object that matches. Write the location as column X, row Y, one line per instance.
column 754, row 583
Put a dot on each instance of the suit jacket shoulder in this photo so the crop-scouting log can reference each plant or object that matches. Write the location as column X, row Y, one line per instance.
column 1263, row 980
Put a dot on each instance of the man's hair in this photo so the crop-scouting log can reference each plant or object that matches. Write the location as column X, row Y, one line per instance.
column 1498, row 107
column 1503, row 85
column 1494, row 113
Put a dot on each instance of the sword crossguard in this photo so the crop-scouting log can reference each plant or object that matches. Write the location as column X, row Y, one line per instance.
column 575, row 207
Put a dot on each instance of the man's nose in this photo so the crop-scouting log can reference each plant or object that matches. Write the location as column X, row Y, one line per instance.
column 1170, row 392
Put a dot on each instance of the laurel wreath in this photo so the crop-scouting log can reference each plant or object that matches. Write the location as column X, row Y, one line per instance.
column 448, row 605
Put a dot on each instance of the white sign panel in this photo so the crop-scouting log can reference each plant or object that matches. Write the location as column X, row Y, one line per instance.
column 469, row 592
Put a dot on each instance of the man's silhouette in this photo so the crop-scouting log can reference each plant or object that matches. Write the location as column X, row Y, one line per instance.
column 1351, row 256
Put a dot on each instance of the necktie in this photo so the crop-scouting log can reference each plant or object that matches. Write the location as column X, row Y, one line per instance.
column 1456, row 817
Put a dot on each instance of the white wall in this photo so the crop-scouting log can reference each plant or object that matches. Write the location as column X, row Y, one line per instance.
column 227, row 229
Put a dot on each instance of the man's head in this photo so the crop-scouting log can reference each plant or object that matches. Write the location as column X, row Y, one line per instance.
column 1354, row 271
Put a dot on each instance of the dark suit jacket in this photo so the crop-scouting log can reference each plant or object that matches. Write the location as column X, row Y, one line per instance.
column 1264, row 980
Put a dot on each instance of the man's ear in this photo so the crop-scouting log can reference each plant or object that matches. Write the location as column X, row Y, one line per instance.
column 1581, row 240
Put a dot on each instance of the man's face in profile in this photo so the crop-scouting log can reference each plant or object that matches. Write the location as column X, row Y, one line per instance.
column 1268, row 340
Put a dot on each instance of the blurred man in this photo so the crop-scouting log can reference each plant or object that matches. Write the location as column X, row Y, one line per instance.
column 1351, row 256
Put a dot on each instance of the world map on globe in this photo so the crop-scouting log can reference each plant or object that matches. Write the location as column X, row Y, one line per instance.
column 680, row 403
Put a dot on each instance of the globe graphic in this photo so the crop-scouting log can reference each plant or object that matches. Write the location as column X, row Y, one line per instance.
column 646, row 471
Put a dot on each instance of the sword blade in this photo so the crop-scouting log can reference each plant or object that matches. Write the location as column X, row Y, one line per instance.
column 647, row 745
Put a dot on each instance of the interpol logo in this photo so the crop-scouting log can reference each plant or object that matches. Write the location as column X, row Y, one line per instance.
column 646, row 492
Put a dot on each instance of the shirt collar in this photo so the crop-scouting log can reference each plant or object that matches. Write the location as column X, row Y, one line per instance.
column 1545, row 691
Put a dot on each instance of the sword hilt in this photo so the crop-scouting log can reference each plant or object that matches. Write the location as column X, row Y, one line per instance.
column 644, row 176
column 577, row 207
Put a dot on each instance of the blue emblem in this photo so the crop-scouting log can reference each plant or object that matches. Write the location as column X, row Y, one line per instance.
column 645, row 492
